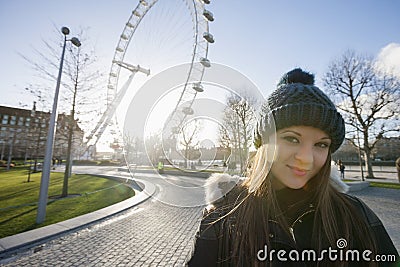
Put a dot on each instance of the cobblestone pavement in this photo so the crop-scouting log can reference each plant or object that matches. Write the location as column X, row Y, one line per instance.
column 151, row 234
column 385, row 203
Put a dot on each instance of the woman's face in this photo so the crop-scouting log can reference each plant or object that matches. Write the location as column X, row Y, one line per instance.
column 301, row 151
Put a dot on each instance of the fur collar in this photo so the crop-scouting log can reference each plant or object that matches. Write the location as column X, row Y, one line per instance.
column 220, row 184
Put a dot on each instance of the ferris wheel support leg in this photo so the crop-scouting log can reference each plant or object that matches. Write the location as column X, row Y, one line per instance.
column 110, row 111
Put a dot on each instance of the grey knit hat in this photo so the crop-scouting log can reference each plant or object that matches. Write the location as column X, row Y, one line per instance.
column 297, row 101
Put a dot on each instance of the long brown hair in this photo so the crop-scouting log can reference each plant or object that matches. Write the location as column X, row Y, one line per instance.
column 335, row 216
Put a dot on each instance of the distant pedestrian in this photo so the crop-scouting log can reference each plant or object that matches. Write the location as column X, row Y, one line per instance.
column 160, row 167
column 398, row 168
column 341, row 169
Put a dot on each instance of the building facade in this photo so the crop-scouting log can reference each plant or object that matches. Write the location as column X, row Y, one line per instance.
column 23, row 134
column 386, row 149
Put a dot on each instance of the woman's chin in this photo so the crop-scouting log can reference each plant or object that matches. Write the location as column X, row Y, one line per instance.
column 289, row 183
column 295, row 186
column 294, row 183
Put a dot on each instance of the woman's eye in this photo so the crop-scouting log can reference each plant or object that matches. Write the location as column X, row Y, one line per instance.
column 291, row 139
column 322, row 145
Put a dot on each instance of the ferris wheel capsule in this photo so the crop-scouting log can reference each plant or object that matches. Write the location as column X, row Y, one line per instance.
column 208, row 15
column 175, row 130
column 136, row 13
column 188, row 111
column 205, row 62
column 143, row 2
column 198, row 87
column 208, row 36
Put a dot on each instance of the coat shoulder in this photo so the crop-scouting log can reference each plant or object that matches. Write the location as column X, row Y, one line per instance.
column 223, row 190
column 366, row 211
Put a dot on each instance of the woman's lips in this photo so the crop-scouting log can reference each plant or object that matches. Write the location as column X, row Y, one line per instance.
column 298, row 171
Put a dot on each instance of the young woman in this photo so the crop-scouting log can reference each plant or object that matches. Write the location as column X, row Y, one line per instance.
column 287, row 212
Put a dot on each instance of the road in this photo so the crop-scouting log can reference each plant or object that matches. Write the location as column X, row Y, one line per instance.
column 157, row 232
column 385, row 203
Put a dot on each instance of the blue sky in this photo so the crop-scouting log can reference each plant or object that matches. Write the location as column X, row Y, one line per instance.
column 261, row 39
column 277, row 35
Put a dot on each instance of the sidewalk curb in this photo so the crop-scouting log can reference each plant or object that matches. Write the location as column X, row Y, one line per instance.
column 170, row 172
column 357, row 185
column 36, row 236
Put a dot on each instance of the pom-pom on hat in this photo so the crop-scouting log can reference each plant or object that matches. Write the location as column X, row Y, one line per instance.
column 297, row 101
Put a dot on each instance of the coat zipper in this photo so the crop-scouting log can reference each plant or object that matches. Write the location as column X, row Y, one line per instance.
column 291, row 228
column 292, row 233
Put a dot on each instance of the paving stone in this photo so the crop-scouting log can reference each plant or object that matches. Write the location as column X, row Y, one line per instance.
column 384, row 202
column 151, row 236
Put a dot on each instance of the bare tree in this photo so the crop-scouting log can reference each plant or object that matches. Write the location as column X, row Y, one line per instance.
column 153, row 147
column 80, row 82
column 130, row 144
column 238, row 122
column 79, row 95
column 133, row 148
column 369, row 99
column 224, row 138
column 189, row 139
column 83, row 83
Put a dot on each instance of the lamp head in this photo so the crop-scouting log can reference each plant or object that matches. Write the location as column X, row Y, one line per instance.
column 65, row 30
column 75, row 41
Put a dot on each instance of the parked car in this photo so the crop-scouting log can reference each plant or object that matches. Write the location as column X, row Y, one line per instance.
column 39, row 167
column 3, row 163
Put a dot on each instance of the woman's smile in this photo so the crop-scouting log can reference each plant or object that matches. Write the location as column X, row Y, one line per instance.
column 298, row 171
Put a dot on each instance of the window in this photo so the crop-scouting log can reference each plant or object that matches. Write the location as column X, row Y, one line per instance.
column 3, row 132
column 5, row 119
column 21, row 121
column 13, row 120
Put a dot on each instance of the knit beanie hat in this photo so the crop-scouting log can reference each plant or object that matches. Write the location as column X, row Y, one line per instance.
column 297, row 101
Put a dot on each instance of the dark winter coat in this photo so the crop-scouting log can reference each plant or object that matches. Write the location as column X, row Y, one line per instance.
column 212, row 247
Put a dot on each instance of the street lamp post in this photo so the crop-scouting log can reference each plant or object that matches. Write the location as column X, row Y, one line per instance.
column 44, row 184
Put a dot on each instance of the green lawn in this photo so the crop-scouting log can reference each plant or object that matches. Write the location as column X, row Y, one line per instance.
column 385, row 185
column 18, row 198
column 378, row 184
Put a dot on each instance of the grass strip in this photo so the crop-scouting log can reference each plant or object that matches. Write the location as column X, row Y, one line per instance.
column 385, row 185
column 86, row 193
column 377, row 184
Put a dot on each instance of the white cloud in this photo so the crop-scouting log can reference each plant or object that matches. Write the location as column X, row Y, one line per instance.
column 389, row 58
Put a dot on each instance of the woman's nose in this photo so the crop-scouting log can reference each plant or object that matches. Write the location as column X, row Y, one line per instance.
column 304, row 154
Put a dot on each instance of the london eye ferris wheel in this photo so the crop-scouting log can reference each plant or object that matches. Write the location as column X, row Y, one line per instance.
column 159, row 34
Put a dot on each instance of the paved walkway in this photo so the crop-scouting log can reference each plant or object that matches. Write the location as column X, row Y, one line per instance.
column 385, row 203
column 382, row 174
column 151, row 234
